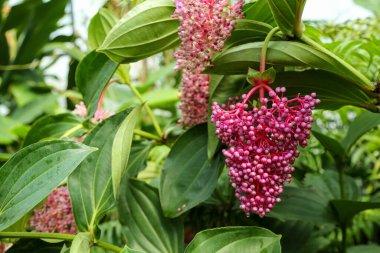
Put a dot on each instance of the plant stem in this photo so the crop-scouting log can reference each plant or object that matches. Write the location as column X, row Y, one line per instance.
column 265, row 48
column 147, row 108
column 344, row 237
column 65, row 237
column 146, row 135
column 71, row 131
column 299, row 25
column 367, row 85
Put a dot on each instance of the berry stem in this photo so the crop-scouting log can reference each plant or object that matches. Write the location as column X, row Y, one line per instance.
column 265, row 48
column 65, row 237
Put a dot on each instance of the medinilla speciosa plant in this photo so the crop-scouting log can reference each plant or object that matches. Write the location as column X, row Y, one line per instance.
column 218, row 140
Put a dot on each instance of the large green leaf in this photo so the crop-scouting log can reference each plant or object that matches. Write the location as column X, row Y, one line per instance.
column 90, row 186
column 99, row 26
column 144, row 31
column 146, row 227
column 92, row 76
column 188, row 177
column 32, row 173
column 304, row 204
column 121, row 148
column 81, row 243
column 248, row 31
column 138, row 158
column 333, row 91
column 235, row 239
column 51, row 126
column 361, row 125
column 238, row 59
column 331, row 145
column 287, row 14
column 259, row 11
column 347, row 209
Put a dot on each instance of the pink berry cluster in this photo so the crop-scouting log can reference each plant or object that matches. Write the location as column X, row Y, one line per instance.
column 204, row 27
column 56, row 215
column 262, row 144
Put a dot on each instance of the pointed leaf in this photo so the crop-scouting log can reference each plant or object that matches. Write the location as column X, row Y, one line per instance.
column 51, row 126
column 238, row 59
column 145, row 30
column 347, row 209
column 93, row 74
column 146, row 227
column 121, row 148
column 32, row 173
column 90, row 186
column 235, row 239
column 99, row 26
column 361, row 125
column 188, row 177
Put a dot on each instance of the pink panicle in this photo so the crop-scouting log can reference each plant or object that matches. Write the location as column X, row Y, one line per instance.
column 262, row 145
column 56, row 215
column 80, row 110
column 205, row 25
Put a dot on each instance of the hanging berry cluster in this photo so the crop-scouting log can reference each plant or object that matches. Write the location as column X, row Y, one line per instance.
column 262, row 143
column 56, row 215
column 204, row 27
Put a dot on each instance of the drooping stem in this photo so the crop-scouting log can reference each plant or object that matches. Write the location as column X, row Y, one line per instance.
column 264, row 49
column 366, row 84
column 64, row 237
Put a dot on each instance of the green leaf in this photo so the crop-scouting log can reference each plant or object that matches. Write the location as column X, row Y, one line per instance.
column 138, row 157
column 145, row 30
column 347, row 209
column 296, row 204
column 259, row 11
column 146, row 227
column 164, row 98
column 360, row 126
column 121, row 148
column 371, row 5
column 331, row 145
column 188, row 177
column 247, row 31
column 92, row 76
column 81, row 243
column 32, row 173
column 126, row 249
column 221, row 89
column 51, row 126
column 328, row 184
column 287, row 14
column 4, row 50
column 99, row 26
column 90, row 186
column 333, row 91
column 235, row 239
column 364, row 248
column 238, row 59
column 7, row 135
column 35, row 246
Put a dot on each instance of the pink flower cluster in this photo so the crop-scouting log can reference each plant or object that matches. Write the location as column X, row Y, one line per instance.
column 56, row 215
column 204, row 27
column 99, row 116
column 262, row 144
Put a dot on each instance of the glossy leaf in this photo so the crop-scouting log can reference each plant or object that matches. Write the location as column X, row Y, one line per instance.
column 248, row 31
column 235, row 239
column 90, row 186
column 99, row 26
column 238, row 59
column 146, row 227
column 333, row 91
column 361, row 125
column 144, row 31
column 92, row 76
column 287, row 14
column 121, row 148
column 259, row 11
column 138, row 157
column 51, row 126
column 81, row 243
column 347, row 209
column 32, row 173
column 296, row 205
column 188, row 177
